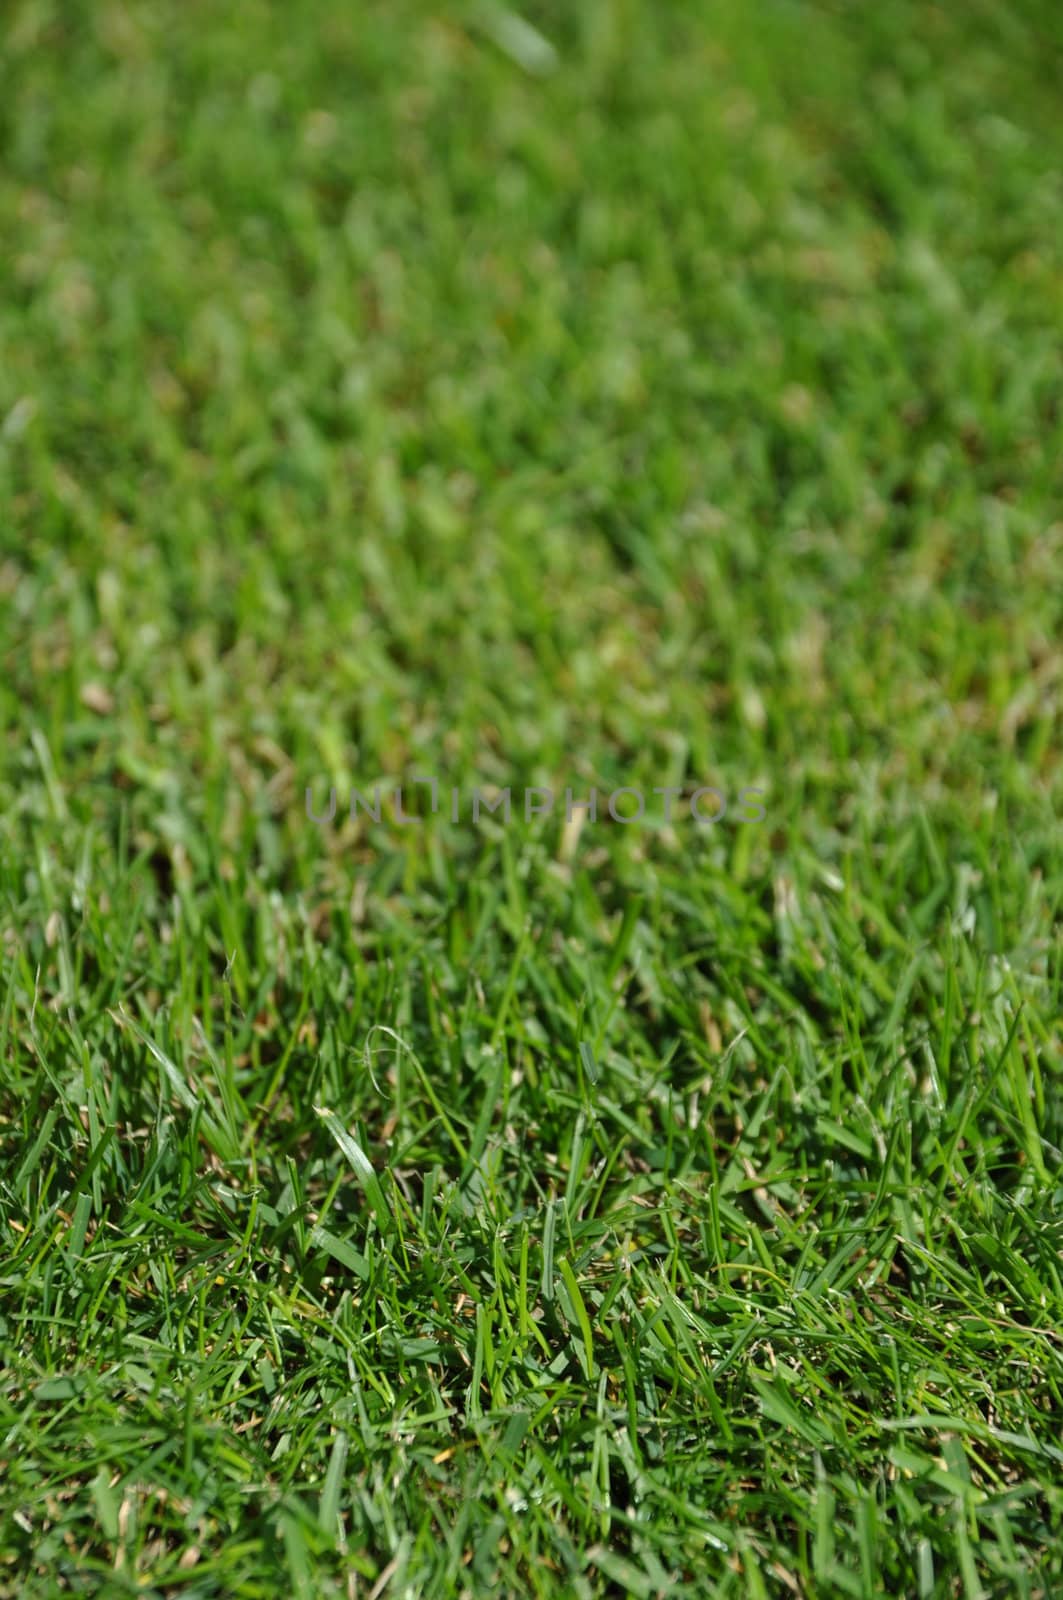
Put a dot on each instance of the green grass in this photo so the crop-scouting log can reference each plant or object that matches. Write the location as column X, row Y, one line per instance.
column 631, row 394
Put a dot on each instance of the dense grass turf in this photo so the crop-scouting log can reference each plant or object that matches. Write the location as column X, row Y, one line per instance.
column 645, row 394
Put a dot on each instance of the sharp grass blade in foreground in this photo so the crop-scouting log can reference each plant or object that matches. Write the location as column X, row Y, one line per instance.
column 580, row 1311
column 362, row 1168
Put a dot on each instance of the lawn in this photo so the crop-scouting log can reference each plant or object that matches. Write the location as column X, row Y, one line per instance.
column 415, row 411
